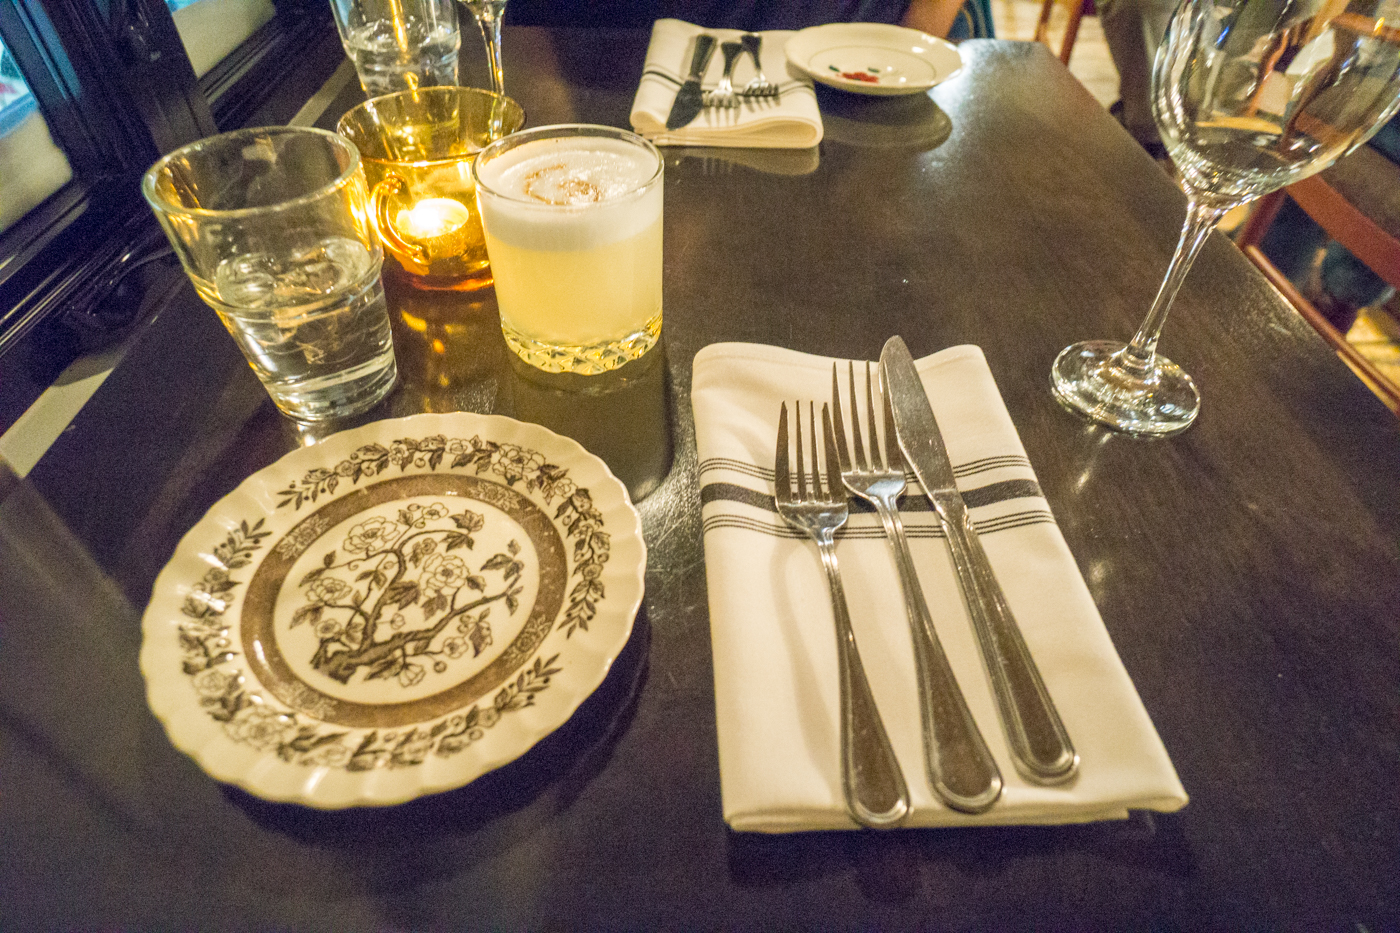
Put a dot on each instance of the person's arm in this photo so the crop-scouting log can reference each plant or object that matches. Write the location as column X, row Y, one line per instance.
column 934, row 17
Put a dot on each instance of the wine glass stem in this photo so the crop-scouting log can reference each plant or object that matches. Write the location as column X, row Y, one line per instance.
column 490, row 24
column 1200, row 220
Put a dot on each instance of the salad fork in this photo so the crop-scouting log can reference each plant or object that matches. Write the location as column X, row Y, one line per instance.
column 960, row 767
column 873, row 786
column 723, row 95
column 760, row 86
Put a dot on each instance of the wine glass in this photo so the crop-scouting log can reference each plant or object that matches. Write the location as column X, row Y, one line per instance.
column 487, row 14
column 1249, row 96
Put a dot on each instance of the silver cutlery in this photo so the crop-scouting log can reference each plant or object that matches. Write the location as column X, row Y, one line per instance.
column 690, row 99
column 874, row 788
column 759, row 86
column 960, row 767
column 723, row 95
column 1040, row 746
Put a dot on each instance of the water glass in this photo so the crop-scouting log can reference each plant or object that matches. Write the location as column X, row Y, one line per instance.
column 572, row 216
column 400, row 45
column 417, row 148
column 272, row 227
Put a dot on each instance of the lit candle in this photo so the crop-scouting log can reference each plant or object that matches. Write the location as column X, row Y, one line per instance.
column 432, row 218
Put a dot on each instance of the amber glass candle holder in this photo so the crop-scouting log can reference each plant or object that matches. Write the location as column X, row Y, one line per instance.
column 417, row 149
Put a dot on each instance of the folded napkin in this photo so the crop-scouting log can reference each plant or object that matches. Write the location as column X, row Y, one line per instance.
column 774, row 638
column 791, row 121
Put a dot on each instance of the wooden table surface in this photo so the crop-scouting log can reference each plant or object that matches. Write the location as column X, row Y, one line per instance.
column 1248, row 570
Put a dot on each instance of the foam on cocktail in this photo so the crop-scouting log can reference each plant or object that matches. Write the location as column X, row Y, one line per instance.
column 570, row 193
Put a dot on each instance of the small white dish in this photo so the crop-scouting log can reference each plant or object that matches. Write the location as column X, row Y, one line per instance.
column 873, row 58
column 394, row 611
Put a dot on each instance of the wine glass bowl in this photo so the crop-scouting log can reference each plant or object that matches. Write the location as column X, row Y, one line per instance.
column 1249, row 96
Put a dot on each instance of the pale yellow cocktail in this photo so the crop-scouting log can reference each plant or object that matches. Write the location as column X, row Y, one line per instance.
column 572, row 216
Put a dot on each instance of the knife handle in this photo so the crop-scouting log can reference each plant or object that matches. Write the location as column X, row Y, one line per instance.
column 1040, row 746
column 704, row 51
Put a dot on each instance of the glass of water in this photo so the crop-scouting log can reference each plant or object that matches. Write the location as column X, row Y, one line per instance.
column 400, row 45
column 272, row 226
column 1249, row 96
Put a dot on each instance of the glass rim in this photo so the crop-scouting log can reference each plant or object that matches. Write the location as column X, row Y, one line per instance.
column 567, row 130
column 441, row 160
column 346, row 177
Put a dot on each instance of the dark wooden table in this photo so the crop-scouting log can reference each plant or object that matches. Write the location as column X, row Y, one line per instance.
column 1248, row 570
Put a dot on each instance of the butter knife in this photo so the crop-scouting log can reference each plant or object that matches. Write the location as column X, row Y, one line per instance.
column 1040, row 746
column 690, row 101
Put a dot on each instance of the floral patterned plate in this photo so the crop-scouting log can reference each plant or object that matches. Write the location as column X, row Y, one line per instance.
column 394, row 611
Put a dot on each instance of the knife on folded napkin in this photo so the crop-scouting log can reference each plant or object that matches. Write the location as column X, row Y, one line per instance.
column 1040, row 746
column 690, row 100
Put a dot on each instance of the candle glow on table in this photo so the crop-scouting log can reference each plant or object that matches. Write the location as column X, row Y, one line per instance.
column 432, row 218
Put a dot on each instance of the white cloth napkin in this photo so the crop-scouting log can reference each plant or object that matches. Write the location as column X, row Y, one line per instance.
column 773, row 634
column 792, row 121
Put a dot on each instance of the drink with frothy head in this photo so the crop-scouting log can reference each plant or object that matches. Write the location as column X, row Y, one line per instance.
column 572, row 216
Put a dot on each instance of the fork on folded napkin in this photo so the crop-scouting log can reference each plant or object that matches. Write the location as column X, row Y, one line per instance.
column 776, row 671
column 789, row 121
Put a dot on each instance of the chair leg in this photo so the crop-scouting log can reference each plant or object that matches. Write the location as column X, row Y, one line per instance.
column 1076, row 13
column 1042, row 25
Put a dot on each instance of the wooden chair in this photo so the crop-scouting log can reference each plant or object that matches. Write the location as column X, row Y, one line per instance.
column 1363, row 178
column 1078, row 9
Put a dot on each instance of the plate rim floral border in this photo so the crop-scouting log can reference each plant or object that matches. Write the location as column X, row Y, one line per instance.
column 226, row 730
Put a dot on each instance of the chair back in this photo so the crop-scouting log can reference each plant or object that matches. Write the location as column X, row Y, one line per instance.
column 1357, row 203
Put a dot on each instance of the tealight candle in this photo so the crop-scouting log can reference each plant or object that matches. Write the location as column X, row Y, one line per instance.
column 432, row 218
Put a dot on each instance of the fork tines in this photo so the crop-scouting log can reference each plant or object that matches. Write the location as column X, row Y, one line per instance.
column 832, row 490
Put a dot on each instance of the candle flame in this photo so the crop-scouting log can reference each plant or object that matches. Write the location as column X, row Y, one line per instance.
column 432, row 218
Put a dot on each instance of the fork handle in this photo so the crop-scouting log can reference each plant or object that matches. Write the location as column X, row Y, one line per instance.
column 960, row 767
column 751, row 43
column 731, row 52
column 1039, row 743
column 876, row 795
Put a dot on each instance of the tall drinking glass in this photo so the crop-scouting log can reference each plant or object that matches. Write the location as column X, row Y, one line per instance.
column 399, row 45
column 1249, row 96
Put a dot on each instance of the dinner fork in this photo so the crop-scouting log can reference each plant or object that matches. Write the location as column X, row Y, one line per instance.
column 873, row 786
column 960, row 767
column 723, row 95
column 759, row 86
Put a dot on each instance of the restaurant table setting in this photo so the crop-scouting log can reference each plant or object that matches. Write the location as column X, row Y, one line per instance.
column 409, row 602
column 1008, row 706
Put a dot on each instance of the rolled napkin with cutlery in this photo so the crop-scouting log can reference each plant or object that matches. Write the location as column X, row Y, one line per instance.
column 788, row 120
column 776, row 681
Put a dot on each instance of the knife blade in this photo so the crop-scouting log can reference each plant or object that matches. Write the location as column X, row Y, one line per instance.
column 690, row 100
column 1040, row 746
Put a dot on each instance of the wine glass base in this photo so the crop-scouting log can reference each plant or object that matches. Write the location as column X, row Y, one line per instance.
column 1091, row 379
